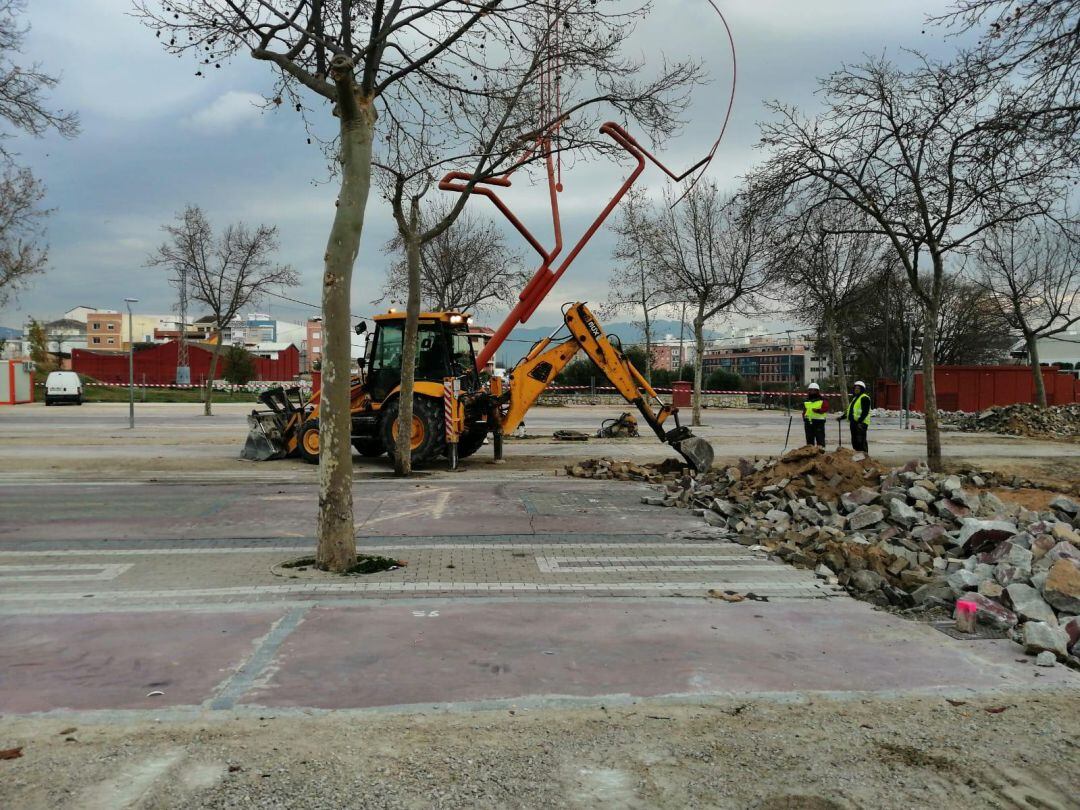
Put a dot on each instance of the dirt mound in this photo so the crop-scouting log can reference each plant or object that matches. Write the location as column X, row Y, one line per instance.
column 814, row 471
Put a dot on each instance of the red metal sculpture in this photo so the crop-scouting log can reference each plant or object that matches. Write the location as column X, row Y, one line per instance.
column 547, row 274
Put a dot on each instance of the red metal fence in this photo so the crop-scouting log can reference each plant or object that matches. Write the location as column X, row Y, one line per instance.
column 973, row 388
column 156, row 365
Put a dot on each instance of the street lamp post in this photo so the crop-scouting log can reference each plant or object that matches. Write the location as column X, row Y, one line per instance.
column 131, row 364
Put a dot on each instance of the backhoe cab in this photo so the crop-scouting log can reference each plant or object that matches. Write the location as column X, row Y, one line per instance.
column 479, row 405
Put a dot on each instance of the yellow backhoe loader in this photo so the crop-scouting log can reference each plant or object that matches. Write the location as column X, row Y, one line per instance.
column 450, row 389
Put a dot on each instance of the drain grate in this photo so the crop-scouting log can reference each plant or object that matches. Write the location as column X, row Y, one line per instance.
column 981, row 633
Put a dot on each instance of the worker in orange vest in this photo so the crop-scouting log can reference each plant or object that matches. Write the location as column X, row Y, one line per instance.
column 814, row 415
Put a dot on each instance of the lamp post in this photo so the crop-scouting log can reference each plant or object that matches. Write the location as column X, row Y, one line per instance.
column 131, row 364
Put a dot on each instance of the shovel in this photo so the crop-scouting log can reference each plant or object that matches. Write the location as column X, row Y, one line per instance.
column 261, row 445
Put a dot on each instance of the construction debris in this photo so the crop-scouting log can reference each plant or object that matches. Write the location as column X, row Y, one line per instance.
column 570, row 436
column 906, row 538
column 1021, row 419
column 624, row 427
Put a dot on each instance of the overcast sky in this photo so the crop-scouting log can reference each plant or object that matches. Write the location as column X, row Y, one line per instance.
column 155, row 138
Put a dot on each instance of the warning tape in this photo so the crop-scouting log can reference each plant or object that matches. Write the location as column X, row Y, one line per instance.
column 248, row 387
column 606, row 389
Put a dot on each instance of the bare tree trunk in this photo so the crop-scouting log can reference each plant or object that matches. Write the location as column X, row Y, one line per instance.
column 699, row 362
column 1036, row 370
column 337, row 542
column 837, row 358
column 209, row 393
column 648, row 348
column 930, row 410
column 403, row 450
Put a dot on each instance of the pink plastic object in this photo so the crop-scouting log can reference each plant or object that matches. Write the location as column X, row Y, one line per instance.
column 965, row 616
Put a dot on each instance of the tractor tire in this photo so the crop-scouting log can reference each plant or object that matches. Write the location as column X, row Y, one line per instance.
column 309, row 441
column 369, row 448
column 471, row 441
column 428, row 432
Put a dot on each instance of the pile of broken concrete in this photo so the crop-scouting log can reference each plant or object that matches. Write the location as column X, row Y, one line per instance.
column 904, row 538
column 1021, row 419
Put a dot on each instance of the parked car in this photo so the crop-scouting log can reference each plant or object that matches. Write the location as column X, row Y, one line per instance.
column 63, row 386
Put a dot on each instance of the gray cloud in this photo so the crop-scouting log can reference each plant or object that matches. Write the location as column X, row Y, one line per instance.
column 156, row 138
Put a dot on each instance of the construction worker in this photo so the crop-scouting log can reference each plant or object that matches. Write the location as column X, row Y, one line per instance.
column 858, row 416
column 814, row 410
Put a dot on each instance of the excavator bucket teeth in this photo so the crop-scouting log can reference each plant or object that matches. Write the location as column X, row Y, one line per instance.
column 697, row 452
column 263, row 440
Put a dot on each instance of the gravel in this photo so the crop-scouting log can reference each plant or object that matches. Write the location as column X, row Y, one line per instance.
column 814, row 753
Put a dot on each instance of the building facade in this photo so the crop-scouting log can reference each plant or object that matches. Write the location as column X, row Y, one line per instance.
column 311, row 350
column 759, row 361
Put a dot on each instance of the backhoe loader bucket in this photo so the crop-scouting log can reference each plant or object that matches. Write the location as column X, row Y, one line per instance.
column 264, row 440
column 697, row 452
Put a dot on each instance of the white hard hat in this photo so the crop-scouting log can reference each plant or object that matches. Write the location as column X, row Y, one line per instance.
column 813, row 387
column 861, row 384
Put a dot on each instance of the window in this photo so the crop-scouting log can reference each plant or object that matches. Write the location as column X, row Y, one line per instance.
column 316, row 349
column 112, row 327
column 316, row 335
column 96, row 326
column 112, row 340
column 97, row 340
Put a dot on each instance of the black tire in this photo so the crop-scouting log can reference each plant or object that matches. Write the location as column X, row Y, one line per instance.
column 308, row 441
column 79, row 401
column 369, row 448
column 48, row 402
column 471, row 441
column 429, row 412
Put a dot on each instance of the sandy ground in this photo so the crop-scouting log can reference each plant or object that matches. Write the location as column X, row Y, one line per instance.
column 811, row 753
column 175, row 439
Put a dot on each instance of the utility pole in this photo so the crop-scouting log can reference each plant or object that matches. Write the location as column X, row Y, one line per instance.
column 131, row 364
column 183, row 368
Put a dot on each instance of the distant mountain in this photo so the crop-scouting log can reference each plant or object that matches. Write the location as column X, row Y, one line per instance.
column 522, row 338
column 7, row 333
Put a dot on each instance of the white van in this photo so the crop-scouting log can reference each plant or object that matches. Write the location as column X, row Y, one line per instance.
column 63, row 386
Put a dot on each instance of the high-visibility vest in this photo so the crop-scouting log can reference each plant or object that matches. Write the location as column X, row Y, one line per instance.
column 858, row 410
column 812, row 409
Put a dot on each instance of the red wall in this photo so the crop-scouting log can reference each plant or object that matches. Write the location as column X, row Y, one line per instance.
column 157, row 365
column 973, row 388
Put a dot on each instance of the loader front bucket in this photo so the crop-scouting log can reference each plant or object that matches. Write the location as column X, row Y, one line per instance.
column 264, row 439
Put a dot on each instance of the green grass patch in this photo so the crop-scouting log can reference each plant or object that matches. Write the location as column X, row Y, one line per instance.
column 94, row 393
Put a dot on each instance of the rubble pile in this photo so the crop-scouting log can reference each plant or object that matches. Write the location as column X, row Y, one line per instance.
column 904, row 538
column 1021, row 419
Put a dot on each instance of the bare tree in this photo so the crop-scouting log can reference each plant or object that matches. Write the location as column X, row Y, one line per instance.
column 824, row 270
column 1038, row 41
column 1032, row 276
column 634, row 285
column 226, row 272
column 467, row 268
column 23, row 108
column 362, row 59
column 926, row 158
column 22, row 230
column 711, row 248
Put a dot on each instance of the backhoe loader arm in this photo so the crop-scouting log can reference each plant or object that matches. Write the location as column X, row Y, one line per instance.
column 620, row 372
column 535, row 372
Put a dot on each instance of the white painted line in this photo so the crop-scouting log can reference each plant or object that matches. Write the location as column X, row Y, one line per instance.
column 440, row 505
column 61, row 572
column 645, row 562
column 765, row 588
column 726, row 551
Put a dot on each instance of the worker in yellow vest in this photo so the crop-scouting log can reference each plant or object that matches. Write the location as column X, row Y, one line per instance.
column 858, row 416
column 814, row 410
